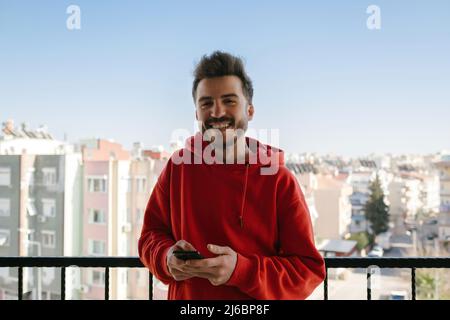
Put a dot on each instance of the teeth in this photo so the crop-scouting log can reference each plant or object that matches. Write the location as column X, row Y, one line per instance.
column 220, row 125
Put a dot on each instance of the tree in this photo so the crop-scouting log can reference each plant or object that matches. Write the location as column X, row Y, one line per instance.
column 362, row 240
column 425, row 285
column 376, row 210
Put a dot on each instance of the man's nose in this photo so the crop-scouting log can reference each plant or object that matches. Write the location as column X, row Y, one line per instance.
column 218, row 110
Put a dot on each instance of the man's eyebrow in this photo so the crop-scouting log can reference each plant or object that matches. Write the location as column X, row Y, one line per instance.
column 229, row 95
column 205, row 98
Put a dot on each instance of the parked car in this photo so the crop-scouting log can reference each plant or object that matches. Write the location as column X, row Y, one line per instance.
column 398, row 295
column 376, row 251
column 383, row 240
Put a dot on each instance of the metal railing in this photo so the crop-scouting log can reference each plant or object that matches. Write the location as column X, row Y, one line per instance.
column 372, row 263
column 133, row 262
column 66, row 262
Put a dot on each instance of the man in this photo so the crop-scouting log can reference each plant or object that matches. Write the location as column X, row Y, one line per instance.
column 253, row 230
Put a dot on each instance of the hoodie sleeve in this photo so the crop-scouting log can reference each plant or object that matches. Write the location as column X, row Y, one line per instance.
column 297, row 269
column 156, row 235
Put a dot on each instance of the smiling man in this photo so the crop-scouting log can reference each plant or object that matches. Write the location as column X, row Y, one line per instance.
column 251, row 226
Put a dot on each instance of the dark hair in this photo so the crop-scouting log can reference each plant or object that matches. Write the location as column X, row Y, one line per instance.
column 219, row 64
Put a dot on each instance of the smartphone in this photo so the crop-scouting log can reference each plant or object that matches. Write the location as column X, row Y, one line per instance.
column 187, row 255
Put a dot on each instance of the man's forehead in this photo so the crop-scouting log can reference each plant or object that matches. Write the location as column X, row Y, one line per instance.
column 219, row 85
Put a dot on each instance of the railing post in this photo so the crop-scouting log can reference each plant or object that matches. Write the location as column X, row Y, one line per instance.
column 413, row 283
column 150, row 286
column 369, row 285
column 325, row 285
column 107, row 283
column 20, row 284
column 63, row 283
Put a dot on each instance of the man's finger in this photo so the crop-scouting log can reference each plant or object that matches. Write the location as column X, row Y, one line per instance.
column 184, row 245
column 174, row 262
column 197, row 271
column 218, row 249
column 190, row 269
column 204, row 263
column 204, row 275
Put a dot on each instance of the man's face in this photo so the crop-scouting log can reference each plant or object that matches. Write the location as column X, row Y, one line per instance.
column 221, row 104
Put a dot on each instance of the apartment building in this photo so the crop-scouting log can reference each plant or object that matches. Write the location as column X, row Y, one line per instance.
column 145, row 168
column 40, row 208
column 105, row 214
column 444, row 212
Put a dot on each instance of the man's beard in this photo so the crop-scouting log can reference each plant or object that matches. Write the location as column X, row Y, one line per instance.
column 230, row 135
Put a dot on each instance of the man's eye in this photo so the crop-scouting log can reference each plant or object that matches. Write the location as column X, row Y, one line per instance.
column 206, row 105
column 230, row 101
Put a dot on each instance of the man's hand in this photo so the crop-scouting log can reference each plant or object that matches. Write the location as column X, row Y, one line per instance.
column 175, row 265
column 217, row 270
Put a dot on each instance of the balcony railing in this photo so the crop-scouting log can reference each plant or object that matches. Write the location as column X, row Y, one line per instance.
column 133, row 262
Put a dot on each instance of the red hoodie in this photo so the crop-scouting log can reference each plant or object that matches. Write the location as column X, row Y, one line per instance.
column 264, row 218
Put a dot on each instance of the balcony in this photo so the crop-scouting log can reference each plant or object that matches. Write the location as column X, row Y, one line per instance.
column 370, row 264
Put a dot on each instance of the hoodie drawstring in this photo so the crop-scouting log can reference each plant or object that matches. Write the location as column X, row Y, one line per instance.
column 241, row 217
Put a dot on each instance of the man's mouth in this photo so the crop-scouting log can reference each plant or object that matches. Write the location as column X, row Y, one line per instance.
column 220, row 125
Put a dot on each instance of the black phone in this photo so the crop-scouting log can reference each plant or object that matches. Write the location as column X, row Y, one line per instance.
column 187, row 255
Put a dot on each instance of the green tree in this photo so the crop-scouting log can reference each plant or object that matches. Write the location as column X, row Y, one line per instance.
column 376, row 210
column 425, row 285
column 362, row 240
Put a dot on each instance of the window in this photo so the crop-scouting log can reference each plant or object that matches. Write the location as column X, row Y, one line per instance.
column 97, row 184
column 97, row 216
column 128, row 182
column 141, row 183
column 31, row 208
column 5, row 236
column 5, row 176
column 49, row 176
column 30, row 234
column 5, row 207
column 97, row 247
column 49, row 207
column 48, row 239
column 98, row 278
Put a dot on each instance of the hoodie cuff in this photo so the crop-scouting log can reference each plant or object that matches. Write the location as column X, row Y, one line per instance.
column 242, row 272
column 164, row 264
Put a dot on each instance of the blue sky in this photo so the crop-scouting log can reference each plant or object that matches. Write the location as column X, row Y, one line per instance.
column 321, row 77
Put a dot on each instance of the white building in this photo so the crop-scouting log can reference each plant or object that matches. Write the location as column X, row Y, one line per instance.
column 40, row 207
column 405, row 199
column 333, row 207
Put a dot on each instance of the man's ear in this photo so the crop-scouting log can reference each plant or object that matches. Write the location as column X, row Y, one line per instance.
column 196, row 115
column 250, row 111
